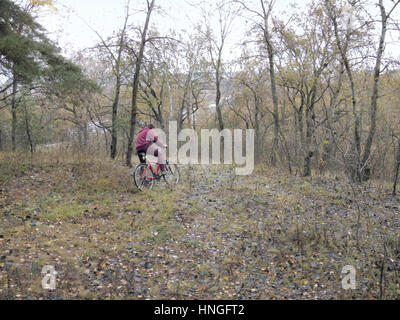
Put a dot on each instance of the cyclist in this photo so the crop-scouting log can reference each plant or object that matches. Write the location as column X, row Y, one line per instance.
column 147, row 143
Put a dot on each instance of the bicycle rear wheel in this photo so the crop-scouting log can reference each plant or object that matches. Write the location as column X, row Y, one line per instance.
column 143, row 177
column 173, row 176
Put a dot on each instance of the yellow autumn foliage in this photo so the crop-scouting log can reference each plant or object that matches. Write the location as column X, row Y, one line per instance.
column 42, row 3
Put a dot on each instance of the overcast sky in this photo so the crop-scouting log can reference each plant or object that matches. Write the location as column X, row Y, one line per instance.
column 68, row 24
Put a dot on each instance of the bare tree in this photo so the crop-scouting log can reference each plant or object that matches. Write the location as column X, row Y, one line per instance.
column 385, row 16
column 262, row 23
column 114, row 53
column 343, row 47
column 308, row 56
column 135, row 84
column 216, row 44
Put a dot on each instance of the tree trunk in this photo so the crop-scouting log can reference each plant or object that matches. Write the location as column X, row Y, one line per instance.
column 135, row 86
column 86, row 145
column 396, row 169
column 218, row 102
column 184, row 102
column 257, row 129
column 171, row 104
column 106, row 140
column 14, row 114
column 301, row 124
column 1, row 141
column 275, row 103
column 310, row 122
column 271, row 56
column 28, row 132
column 190, row 105
column 309, row 153
column 364, row 170
column 114, row 131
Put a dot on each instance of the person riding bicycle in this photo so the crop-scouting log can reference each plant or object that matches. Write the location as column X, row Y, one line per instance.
column 146, row 143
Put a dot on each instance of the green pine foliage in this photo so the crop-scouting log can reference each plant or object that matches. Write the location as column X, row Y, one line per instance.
column 29, row 54
column 32, row 69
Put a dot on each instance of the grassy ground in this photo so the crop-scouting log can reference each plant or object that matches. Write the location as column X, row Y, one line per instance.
column 215, row 236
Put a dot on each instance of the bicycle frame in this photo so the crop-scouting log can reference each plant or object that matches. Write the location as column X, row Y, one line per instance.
column 150, row 172
column 156, row 172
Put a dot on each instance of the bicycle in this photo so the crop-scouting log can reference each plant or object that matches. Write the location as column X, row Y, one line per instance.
column 144, row 174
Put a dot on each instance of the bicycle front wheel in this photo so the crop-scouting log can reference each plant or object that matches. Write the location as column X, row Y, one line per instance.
column 173, row 176
column 143, row 177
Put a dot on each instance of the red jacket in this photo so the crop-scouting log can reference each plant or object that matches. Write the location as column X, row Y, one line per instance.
column 145, row 139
